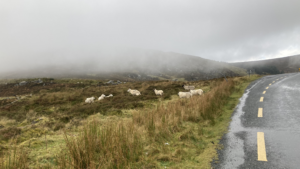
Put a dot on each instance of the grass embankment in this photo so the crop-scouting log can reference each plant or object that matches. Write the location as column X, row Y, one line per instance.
column 174, row 134
column 60, row 106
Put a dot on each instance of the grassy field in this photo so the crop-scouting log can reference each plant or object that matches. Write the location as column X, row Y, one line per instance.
column 55, row 129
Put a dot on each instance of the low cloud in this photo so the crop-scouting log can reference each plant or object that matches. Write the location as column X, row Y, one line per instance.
column 37, row 33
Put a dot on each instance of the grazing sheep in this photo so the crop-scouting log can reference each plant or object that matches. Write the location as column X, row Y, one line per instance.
column 197, row 92
column 101, row 97
column 110, row 95
column 158, row 92
column 90, row 100
column 22, row 83
column 188, row 87
column 185, row 94
column 134, row 92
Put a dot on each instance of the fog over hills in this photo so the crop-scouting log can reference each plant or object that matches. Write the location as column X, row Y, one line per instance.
column 272, row 66
column 94, row 39
column 135, row 64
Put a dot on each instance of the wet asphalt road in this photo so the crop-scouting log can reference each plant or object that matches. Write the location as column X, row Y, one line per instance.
column 280, row 124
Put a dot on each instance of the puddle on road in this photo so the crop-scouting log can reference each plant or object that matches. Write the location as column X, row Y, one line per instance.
column 234, row 153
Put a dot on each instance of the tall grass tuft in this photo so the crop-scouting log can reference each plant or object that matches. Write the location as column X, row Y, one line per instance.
column 113, row 146
column 16, row 158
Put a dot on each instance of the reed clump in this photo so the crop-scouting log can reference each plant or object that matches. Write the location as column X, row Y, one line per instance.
column 111, row 146
column 16, row 158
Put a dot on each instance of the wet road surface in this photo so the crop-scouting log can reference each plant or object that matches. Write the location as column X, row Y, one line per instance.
column 265, row 128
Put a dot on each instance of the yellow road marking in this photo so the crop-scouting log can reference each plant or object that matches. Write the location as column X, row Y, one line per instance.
column 267, row 87
column 264, row 92
column 260, row 112
column 261, row 99
column 273, row 81
column 276, row 79
column 270, row 84
column 261, row 147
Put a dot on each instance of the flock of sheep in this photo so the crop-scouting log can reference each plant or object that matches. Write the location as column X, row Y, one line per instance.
column 157, row 92
column 190, row 93
column 91, row 99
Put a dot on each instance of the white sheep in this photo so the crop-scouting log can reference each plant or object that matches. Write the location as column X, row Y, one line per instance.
column 185, row 94
column 134, row 92
column 101, row 97
column 188, row 87
column 110, row 95
column 197, row 92
column 158, row 92
column 90, row 100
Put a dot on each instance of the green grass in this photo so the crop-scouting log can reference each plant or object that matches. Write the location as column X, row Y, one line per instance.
column 180, row 123
column 184, row 140
column 215, row 133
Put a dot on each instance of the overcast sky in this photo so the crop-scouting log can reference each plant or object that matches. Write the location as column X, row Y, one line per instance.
column 222, row 30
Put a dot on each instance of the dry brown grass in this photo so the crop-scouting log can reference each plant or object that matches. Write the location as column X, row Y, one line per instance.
column 205, row 107
column 16, row 158
column 112, row 147
column 141, row 141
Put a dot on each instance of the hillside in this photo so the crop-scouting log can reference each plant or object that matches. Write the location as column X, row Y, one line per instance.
column 40, row 122
column 131, row 65
column 272, row 66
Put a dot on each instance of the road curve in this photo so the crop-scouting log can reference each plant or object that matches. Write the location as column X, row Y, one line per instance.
column 265, row 129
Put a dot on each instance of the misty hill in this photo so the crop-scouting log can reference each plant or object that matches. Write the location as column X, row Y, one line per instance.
column 272, row 66
column 129, row 65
